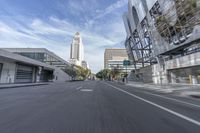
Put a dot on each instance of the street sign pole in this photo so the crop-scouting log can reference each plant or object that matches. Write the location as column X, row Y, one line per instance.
column 126, row 75
column 126, row 63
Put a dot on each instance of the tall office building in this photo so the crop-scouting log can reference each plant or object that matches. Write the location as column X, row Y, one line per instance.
column 113, row 59
column 77, row 50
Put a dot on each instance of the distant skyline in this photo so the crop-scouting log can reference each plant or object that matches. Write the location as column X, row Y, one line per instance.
column 51, row 24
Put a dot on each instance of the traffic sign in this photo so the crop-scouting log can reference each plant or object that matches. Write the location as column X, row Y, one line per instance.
column 126, row 63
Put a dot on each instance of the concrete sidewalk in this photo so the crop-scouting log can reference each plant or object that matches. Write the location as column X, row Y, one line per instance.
column 181, row 90
column 164, row 88
column 5, row 86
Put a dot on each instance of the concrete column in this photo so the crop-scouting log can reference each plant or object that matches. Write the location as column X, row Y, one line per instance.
column 39, row 70
column 173, row 77
column 34, row 76
column 193, row 79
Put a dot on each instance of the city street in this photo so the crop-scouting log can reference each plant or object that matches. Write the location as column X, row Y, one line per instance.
column 95, row 107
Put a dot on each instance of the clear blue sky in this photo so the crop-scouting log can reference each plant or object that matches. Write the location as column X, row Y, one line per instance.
column 52, row 23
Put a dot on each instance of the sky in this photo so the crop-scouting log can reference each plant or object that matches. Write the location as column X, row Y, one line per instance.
column 51, row 24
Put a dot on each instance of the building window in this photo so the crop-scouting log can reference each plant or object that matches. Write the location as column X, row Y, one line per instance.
column 36, row 56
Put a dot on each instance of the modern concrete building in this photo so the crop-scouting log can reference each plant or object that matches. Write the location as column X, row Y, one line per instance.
column 163, row 38
column 15, row 68
column 77, row 50
column 113, row 59
column 110, row 54
column 40, row 54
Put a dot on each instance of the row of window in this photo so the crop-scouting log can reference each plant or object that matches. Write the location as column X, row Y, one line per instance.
column 43, row 57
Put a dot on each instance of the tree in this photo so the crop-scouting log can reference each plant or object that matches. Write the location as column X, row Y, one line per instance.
column 82, row 73
column 104, row 74
column 99, row 75
column 71, row 71
column 115, row 73
column 77, row 72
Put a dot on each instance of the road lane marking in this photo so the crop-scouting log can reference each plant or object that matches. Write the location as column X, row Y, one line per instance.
column 159, row 106
column 79, row 88
column 173, row 99
column 86, row 90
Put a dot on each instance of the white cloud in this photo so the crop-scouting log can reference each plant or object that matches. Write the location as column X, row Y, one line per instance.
column 77, row 7
column 112, row 8
column 56, row 34
column 33, row 36
column 107, row 10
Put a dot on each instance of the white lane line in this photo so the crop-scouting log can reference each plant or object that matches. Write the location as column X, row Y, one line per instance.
column 79, row 88
column 159, row 106
column 86, row 90
column 173, row 99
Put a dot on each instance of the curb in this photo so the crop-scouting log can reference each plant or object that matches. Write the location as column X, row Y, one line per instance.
column 18, row 86
column 166, row 89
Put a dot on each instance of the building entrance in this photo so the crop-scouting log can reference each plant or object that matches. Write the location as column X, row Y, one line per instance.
column 24, row 74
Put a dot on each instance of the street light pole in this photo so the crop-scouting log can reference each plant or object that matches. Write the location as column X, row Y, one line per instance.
column 126, row 75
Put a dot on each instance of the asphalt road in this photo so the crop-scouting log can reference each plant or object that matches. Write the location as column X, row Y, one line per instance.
column 95, row 107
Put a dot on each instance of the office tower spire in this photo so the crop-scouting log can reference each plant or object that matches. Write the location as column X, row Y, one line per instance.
column 77, row 51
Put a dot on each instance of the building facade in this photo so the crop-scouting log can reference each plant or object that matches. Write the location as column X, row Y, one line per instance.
column 114, row 54
column 77, row 52
column 30, row 65
column 40, row 54
column 15, row 68
column 114, row 58
column 161, row 36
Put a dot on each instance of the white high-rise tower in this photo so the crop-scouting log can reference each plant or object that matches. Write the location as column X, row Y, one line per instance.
column 77, row 50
